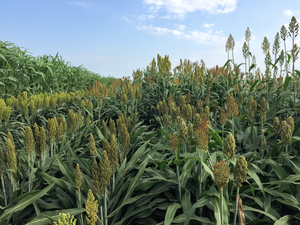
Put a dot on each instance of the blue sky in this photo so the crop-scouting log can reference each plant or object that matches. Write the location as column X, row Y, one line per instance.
column 115, row 37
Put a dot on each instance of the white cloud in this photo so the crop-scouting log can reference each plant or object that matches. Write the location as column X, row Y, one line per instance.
column 181, row 27
column 207, row 24
column 166, row 17
column 126, row 19
column 288, row 12
column 182, row 7
column 146, row 17
column 199, row 37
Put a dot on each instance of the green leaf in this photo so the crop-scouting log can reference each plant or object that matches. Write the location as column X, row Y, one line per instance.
column 23, row 203
column 171, row 213
column 284, row 220
column 42, row 219
column 254, row 176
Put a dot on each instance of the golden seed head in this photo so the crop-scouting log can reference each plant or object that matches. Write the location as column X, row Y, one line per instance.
column 181, row 101
column 105, row 173
column 42, row 140
column 65, row 219
column 229, row 147
column 78, row 177
column 125, row 140
column 223, row 117
column 112, row 127
column 276, row 125
column 240, row 171
column 6, row 113
column 114, row 153
column 96, row 177
column 183, row 130
column 166, row 120
column 82, row 105
column 91, row 107
column 93, row 150
column 11, row 155
column 91, row 207
column 221, row 173
column 29, row 140
column 24, row 106
column 188, row 97
column 201, row 138
column 173, row 142
column 263, row 109
column 199, row 104
column 32, row 106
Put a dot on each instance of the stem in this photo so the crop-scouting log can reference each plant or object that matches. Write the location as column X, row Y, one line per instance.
column 113, row 183
column 236, row 206
column 286, row 152
column 101, row 215
column 105, row 208
column 4, row 192
column 179, row 188
column 221, row 204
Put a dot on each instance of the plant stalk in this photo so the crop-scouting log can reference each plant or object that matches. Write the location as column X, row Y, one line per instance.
column 236, row 206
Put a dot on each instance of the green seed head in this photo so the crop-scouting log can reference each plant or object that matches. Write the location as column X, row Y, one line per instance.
column 93, row 150
column 240, row 171
column 11, row 155
column 276, row 125
column 221, row 173
column 42, row 140
column 290, row 122
column 112, row 127
column 229, row 147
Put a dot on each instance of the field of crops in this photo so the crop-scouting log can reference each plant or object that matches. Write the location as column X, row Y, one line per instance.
column 196, row 146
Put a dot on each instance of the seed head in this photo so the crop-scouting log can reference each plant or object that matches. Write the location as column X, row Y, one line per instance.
column 65, row 219
column 78, row 177
column 173, row 142
column 93, row 150
column 100, row 103
column 29, row 140
column 181, row 101
column 263, row 109
column 240, row 171
column 166, row 120
column 188, row 97
column 229, row 147
column 112, row 127
column 125, row 140
column 290, row 121
column 6, row 113
column 42, row 140
column 82, row 105
column 215, row 107
column 223, row 117
column 183, row 130
column 285, row 132
column 221, row 173
column 114, row 153
column 276, row 125
column 11, row 155
column 105, row 173
column 91, row 207
column 96, row 176
column 201, row 138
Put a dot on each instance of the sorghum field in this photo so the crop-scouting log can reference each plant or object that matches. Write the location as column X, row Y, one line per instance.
column 196, row 146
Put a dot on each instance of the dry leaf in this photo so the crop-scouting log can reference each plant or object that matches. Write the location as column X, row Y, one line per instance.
column 241, row 212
